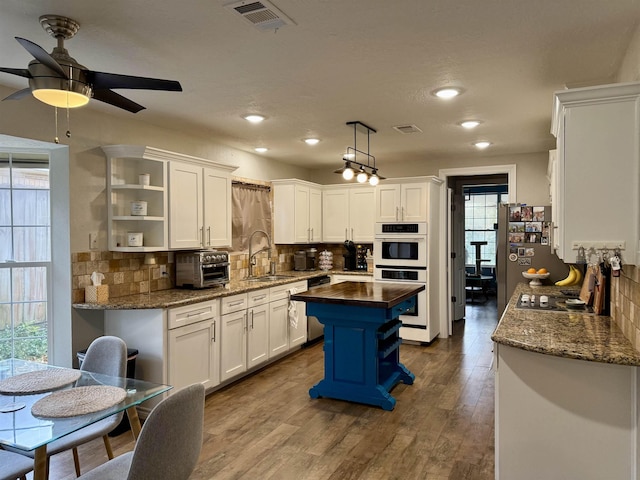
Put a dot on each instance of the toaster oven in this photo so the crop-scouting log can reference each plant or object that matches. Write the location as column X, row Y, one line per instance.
column 202, row 269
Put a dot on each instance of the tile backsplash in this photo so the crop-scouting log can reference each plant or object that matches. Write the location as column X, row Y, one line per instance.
column 625, row 303
column 127, row 274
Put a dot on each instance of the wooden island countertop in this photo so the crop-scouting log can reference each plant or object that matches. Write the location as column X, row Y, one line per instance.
column 361, row 294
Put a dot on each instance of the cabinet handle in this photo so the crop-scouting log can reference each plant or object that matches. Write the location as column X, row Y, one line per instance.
column 402, row 211
column 251, row 319
column 352, row 234
column 246, row 321
column 312, row 234
column 209, row 236
column 214, row 331
column 239, row 302
column 260, row 297
column 397, row 216
column 346, row 234
column 202, row 236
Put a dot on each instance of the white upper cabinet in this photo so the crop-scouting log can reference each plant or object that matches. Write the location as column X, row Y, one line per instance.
column 598, row 169
column 125, row 165
column 348, row 213
column 297, row 209
column 401, row 202
column 199, row 203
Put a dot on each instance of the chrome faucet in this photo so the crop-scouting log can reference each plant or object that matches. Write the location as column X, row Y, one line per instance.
column 252, row 256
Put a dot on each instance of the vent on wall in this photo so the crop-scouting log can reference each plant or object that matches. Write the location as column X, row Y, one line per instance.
column 407, row 129
column 262, row 15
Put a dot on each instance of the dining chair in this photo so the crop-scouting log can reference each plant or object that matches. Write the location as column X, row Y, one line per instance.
column 106, row 355
column 169, row 443
column 13, row 466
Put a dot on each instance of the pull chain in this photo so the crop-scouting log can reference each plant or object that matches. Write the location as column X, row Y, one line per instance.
column 55, row 111
column 68, row 128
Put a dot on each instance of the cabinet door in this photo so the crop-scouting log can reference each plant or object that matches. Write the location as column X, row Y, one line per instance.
column 387, row 203
column 233, row 347
column 185, row 205
column 192, row 355
column 298, row 333
column 278, row 327
column 301, row 214
column 315, row 215
column 413, row 202
column 361, row 214
column 335, row 211
column 258, row 335
column 217, row 208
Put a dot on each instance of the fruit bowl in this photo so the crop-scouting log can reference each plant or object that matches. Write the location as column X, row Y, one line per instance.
column 535, row 278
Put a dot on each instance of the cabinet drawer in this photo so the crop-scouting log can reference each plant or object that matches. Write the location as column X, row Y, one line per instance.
column 282, row 291
column 234, row 303
column 179, row 316
column 259, row 297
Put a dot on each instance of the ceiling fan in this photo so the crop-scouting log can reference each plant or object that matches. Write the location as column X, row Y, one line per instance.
column 58, row 80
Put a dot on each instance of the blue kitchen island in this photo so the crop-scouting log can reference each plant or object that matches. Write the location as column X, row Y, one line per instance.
column 361, row 339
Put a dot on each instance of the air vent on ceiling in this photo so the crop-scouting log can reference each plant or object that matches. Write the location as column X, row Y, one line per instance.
column 262, row 15
column 407, row 129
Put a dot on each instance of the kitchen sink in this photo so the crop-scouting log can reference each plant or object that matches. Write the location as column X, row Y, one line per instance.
column 269, row 278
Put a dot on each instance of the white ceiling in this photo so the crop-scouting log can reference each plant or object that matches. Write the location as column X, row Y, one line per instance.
column 368, row 60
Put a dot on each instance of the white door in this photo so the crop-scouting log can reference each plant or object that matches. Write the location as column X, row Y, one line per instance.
column 233, row 355
column 315, row 215
column 458, row 262
column 192, row 356
column 361, row 215
column 185, row 205
column 278, row 327
column 258, row 335
column 387, row 203
column 335, row 211
column 217, row 208
column 301, row 220
column 413, row 202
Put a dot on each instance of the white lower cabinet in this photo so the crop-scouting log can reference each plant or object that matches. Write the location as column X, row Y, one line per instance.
column 286, row 333
column 245, row 332
column 193, row 347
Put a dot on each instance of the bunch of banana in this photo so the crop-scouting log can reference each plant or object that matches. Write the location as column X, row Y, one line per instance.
column 573, row 278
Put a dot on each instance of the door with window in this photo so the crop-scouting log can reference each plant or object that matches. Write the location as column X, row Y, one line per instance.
column 25, row 256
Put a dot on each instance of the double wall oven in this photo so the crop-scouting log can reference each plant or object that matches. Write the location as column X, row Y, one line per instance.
column 400, row 256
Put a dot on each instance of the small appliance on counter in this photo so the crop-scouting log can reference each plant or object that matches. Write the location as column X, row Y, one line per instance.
column 305, row 259
column 202, row 269
column 350, row 258
column 325, row 261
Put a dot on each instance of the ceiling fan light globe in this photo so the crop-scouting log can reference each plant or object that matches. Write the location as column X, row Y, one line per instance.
column 60, row 98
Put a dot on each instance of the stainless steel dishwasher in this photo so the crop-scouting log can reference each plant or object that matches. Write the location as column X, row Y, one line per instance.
column 315, row 330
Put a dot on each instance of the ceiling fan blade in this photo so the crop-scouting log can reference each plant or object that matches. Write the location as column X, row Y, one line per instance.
column 117, row 100
column 22, row 72
column 42, row 56
column 18, row 95
column 101, row 80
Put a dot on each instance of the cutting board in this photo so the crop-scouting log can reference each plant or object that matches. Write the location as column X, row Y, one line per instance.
column 599, row 291
column 588, row 284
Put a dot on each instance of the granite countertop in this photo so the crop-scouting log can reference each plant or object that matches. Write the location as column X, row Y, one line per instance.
column 581, row 336
column 360, row 294
column 177, row 297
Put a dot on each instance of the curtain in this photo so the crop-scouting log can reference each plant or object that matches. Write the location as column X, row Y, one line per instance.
column 251, row 211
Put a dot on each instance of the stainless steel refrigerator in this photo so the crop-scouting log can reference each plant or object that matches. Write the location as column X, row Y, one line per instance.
column 524, row 242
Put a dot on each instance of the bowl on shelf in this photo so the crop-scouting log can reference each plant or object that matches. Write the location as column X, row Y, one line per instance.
column 535, row 278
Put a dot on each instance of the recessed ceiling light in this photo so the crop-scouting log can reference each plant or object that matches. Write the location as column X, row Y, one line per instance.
column 469, row 124
column 261, row 149
column 447, row 92
column 482, row 145
column 311, row 141
column 254, row 118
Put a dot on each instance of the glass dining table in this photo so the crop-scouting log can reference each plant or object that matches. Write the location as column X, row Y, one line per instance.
column 21, row 429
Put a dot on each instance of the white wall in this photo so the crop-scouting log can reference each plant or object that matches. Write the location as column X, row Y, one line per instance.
column 90, row 129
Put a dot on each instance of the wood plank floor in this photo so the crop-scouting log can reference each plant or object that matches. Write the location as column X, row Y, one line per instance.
column 267, row 427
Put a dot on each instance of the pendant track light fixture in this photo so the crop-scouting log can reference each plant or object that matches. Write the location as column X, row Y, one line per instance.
column 357, row 163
